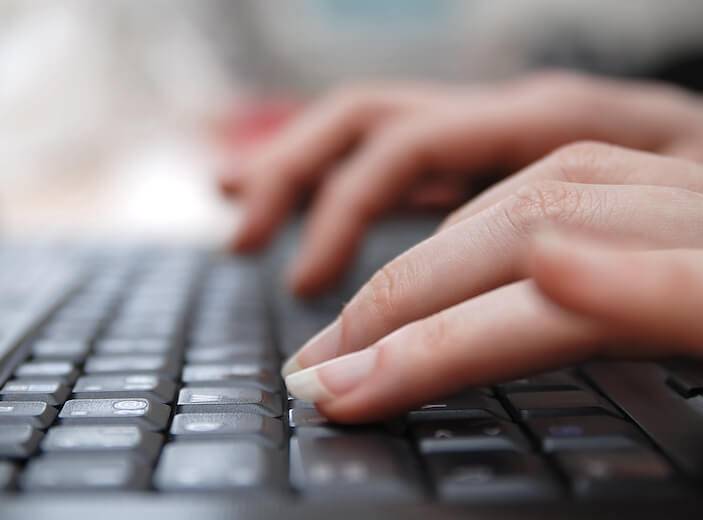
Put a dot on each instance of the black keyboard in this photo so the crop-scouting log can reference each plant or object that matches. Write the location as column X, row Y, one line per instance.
column 155, row 374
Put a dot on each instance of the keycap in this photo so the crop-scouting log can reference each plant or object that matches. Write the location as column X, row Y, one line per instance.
column 548, row 382
column 490, row 476
column 60, row 350
column 232, row 353
column 132, row 346
column 8, row 473
column 198, row 426
column 84, row 473
column 51, row 392
column 229, row 399
column 148, row 414
column 673, row 423
column 218, row 465
column 583, row 433
column 154, row 387
column 74, row 440
column 63, row 370
column 132, row 364
column 468, row 404
column 34, row 413
column 639, row 473
column 18, row 440
column 567, row 402
column 236, row 374
column 305, row 417
column 469, row 435
column 353, row 467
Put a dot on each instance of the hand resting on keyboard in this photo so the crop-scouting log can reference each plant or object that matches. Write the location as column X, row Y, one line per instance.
column 592, row 250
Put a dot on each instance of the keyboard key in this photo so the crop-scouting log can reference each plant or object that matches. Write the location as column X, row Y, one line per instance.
column 8, row 474
column 156, row 388
column 103, row 439
column 63, row 370
column 132, row 346
column 583, row 433
column 490, row 476
column 639, row 473
column 60, row 350
column 129, row 364
column 368, row 467
column 51, row 392
column 232, row 353
column 306, row 417
column 18, row 440
column 467, row 405
column 548, row 382
column 84, row 473
column 218, row 465
column 198, row 426
column 229, row 399
column 568, row 402
column 141, row 412
column 34, row 413
column 469, row 435
column 235, row 374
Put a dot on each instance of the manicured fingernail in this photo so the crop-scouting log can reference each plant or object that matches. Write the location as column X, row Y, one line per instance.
column 333, row 378
column 325, row 345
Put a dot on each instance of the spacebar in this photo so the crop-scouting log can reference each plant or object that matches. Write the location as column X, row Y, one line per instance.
column 675, row 424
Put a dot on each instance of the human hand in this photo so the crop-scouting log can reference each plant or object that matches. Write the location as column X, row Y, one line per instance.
column 366, row 150
column 475, row 305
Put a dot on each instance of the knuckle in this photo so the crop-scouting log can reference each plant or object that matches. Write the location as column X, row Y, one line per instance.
column 435, row 335
column 544, row 201
column 579, row 161
column 383, row 295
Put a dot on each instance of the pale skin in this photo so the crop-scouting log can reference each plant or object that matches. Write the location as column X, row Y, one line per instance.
column 587, row 250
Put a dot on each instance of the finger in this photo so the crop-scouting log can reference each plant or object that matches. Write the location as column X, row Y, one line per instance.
column 647, row 295
column 591, row 163
column 484, row 252
column 231, row 182
column 497, row 336
column 302, row 152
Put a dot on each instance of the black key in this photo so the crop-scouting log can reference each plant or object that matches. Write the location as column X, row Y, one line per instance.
column 199, row 426
column 568, row 402
column 548, row 382
column 583, row 433
column 235, row 374
column 218, row 465
column 673, row 423
column 63, row 370
column 229, row 399
column 490, row 476
column 51, row 392
column 129, row 364
column 467, row 405
column 305, row 417
column 686, row 377
column 85, row 473
column 74, row 440
column 639, row 473
column 8, row 473
column 148, row 414
column 34, row 413
column 469, row 435
column 229, row 353
column 145, row 386
column 60, row 350
column 362, row 466
column 132, row 346
column 18, row 440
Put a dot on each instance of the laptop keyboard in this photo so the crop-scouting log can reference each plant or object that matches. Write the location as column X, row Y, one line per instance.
column 160, row 374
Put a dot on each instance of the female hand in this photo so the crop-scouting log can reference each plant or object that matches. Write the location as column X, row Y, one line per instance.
column 366, row 150
column 475, row 305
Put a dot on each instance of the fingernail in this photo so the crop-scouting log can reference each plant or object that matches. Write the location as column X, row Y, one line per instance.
column 323, row 346
column 333, row 378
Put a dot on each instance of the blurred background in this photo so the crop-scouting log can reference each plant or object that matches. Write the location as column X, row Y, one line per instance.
column 116, row 115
